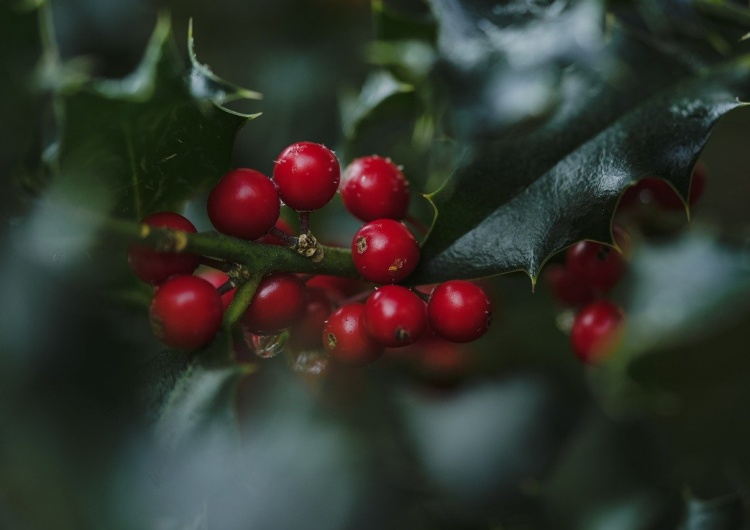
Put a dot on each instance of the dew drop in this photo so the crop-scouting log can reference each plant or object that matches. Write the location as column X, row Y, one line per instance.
column 266, row 346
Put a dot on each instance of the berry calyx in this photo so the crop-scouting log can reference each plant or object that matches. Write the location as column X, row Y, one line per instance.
column 395, row 316
column 278, row 301
column 384, row 251
column 185, row 312
column 596, row 330
column 373, row 187
column 244, row 204
column 597, row 265
column 306, row 175
column 307, row 331
column 346, row 339
column 459, row 311
column 155, row 267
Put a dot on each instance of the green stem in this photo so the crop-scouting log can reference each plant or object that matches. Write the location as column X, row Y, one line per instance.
column 242, row 298
column 256, row 256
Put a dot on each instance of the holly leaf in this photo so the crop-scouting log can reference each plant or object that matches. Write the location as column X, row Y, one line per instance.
column 149, row 141
column 643, row 109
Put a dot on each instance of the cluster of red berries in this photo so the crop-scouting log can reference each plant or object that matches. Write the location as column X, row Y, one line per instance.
column 592, row 269
column 187, row 310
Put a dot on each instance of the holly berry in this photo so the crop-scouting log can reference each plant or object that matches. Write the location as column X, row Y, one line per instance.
column 346, row 339
column 278, row 301
column 306, row 332
column 384, row 251
column 336, row 287
column 567, row 288
column 186, row 312
column 459, row 311
column 395, row 316
column 373, row 187
column 598, row 265
column 306, row 175
column 659, row 191
column 596, row 330
column 244, row 204
column 218, row 279
column 155, row 267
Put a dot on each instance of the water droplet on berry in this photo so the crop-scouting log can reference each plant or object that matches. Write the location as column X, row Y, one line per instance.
column 266, row 346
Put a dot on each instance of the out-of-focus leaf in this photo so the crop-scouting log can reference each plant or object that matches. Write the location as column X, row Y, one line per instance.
column 683, row 356
column 20, row 127
column 685, row 289
column 716, row 514
column 502, row 62
column 149, row 141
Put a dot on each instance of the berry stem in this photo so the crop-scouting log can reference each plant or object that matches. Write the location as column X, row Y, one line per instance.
column 219, row 265
column 288, row 240
column 304, row 222
column 242, row 298
column 256, row 256
column 225, row 287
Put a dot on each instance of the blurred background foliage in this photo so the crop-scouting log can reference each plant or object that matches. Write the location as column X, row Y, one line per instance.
column 516, row 434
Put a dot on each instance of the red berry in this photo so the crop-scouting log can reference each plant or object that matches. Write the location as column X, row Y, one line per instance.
column 336, row 287
column 459, row 311
column 384, row 251
column 306, row 176
column 244, row 204
column 217, row 279
column 155, row 267
column 185, row 312
column 596, row 330
column 346, row 339
column 659, row 191
column 307, row 331
column 597, row 265
column 373, row 187
column 395, row 316
column 277, row 303
column 568, row 288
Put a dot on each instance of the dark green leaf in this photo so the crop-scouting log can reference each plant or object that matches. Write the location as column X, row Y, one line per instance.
column 393, row 26
column 149, row 141
column 20, row 127
column 514, row 202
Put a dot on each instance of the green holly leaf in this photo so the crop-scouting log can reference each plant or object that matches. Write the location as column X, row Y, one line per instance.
column 645, row 108
column 149, row 141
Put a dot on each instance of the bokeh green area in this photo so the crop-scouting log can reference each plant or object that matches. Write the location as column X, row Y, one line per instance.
column 527, row 438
